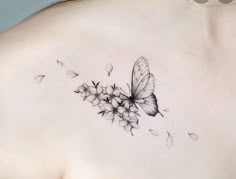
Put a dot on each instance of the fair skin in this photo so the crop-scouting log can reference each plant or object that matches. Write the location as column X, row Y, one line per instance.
column 47, row 131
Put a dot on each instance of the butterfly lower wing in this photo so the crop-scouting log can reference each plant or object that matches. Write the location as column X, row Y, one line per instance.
column 140, row 74
column 150, row 105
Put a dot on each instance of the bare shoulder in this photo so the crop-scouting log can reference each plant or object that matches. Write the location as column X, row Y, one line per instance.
column 117, row 88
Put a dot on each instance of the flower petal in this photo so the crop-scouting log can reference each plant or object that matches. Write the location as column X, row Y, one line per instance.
column 133, row 109
column 108, row 106
column 127, row 128
column 104, row 90
column 92, row 90
column 99, row 89
column 96, row 102
column 109, row 90
column 117, row 118
column 103, row 96
column 114, row 103
column 135, row 119
column 110, row 116
column 91, row 98
column 126, row 115
column 83, row 94
column 123, row 123
column 121, row 110
column 101, row 107
column 116, row 92
column 134, row 125
column 132, row 114
column 85, row 86
column 117, row 99
column 81, row 89
column 126, row 104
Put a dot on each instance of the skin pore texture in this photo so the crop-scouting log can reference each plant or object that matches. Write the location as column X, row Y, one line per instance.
column 47, row 131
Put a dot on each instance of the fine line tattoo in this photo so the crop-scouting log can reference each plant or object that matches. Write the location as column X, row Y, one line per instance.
column 169, row 140
column 71, row 74
column 193, row 136
column 39, row 78
column 59, row 63
column 109, row 69
column 153, row 132
column 119, row 107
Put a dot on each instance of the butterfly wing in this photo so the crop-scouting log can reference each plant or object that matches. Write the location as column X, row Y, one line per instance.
column 149, row 105
column 146, row 87
column 140, row 75
column 143, row 86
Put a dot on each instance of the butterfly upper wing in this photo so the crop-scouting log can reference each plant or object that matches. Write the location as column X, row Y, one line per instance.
column 146, row 87
column 140, row 75
column 150, row 105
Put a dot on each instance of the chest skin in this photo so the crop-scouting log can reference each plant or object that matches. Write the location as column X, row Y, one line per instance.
column 47, row 131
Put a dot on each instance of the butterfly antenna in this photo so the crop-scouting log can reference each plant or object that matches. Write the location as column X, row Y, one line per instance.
column 128, row 87
column 123, row 91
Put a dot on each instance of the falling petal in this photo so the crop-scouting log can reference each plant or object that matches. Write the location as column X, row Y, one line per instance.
column 109, row 69
column 154, row 132
column 169, row 140
column 60, row 63
column 72, row 74
column 193, row 136
column 39, row 78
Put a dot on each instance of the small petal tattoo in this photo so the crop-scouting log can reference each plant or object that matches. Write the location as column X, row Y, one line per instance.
column 72, row 74
column 193, row 136
column 153, row 132
column 39, row 78
column 59, row 63
column 109, row 69
column 169, row 140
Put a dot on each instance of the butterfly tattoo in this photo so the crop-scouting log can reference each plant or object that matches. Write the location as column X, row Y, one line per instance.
column 142, row 88
column 120, row 107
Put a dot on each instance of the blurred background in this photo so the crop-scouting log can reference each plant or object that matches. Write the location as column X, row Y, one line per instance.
column 14, row 11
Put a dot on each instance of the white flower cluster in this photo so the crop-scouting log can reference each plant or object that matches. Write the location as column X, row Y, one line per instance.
column 114, row 105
